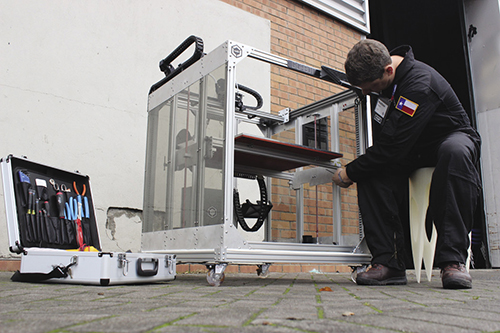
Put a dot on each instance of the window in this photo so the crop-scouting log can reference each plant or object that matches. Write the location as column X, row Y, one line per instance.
column 352, row 12
column 315, row 134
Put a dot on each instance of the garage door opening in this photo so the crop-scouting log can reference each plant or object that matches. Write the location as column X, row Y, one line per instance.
column 438, row 35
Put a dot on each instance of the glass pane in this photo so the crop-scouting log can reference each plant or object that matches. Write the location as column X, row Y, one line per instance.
column 185, row 151
column 155, row 191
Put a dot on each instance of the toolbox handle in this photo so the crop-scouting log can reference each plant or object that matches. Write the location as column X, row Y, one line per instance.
column 147, row 272
column 166, row 64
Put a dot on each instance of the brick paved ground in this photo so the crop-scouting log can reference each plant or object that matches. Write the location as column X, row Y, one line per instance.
column 284, row 302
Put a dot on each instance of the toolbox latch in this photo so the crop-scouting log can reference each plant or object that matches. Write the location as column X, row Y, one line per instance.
column 123, row 263
column 170, row 261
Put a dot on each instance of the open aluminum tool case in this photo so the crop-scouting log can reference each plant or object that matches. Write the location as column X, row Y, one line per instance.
column 198, row 160
column 54, row 247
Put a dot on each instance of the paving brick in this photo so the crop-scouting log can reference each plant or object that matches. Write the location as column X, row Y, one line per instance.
column 283, row 302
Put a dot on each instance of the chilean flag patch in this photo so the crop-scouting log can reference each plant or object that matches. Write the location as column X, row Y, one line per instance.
column 406, row 106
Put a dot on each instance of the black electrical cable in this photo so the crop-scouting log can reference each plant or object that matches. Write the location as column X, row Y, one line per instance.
column 262, row 208
column 254, row 93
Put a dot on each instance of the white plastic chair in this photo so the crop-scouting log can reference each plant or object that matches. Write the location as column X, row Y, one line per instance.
column 422, row 247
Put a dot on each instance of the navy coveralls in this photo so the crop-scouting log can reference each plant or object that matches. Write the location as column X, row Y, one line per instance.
column 425, row 125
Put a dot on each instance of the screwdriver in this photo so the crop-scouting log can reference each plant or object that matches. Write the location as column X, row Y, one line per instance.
column 60, row 204
column 31, row 197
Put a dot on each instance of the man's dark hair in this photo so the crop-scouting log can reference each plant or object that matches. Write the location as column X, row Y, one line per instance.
column 366, row 61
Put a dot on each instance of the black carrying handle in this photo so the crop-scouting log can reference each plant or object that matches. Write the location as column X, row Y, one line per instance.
column 166, row 64
column 147, row 272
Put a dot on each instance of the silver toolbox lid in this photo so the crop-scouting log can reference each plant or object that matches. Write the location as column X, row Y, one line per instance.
column 47, row 207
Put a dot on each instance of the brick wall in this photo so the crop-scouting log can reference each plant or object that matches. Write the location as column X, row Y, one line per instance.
column 303, row 34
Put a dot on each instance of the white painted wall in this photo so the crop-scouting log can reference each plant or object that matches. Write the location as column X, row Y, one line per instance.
column 74, row 79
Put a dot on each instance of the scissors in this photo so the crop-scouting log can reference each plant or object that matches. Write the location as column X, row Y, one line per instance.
column 62, row 187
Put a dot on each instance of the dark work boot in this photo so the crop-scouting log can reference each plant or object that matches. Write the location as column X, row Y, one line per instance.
column 380, row 275
column 455, row 276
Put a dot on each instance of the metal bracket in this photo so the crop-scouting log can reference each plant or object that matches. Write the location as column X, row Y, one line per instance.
column 361, row 247
column 219, row 268
column 285, row 114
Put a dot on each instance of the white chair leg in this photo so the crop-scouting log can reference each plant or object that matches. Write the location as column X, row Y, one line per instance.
column 416, row 234
column 469, row 251
column 429, row 251
column 422, row 248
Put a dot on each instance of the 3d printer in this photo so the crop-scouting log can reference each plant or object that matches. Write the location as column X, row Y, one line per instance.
column 199, row 163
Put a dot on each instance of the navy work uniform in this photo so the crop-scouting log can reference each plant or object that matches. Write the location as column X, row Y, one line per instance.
column 424, row 124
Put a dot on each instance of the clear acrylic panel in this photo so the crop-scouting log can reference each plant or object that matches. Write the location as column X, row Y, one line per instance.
column 184, row 171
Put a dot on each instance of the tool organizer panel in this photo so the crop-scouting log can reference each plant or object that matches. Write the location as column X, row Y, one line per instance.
column 53, row 208
column 51, row 223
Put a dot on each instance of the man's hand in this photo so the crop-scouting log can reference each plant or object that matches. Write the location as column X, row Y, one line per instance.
column 341, row 179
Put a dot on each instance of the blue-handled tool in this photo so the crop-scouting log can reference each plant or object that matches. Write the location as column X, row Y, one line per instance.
column 71, row 212
column 26, row 187
column 86, row 206
column 23, row 177
column 74, row 213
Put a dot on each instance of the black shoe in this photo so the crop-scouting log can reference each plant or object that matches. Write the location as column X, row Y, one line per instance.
column 455, row 276
column 380, row 275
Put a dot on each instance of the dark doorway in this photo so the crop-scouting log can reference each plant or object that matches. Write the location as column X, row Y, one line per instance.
column 437, row 33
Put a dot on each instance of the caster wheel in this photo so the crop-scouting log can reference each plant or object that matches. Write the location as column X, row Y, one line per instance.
column 263, row 271
column 215, row 279
column 357, row 269
column 264, row 275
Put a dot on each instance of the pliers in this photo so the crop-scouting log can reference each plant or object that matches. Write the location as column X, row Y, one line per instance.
column 85, row 200
column 76, row 189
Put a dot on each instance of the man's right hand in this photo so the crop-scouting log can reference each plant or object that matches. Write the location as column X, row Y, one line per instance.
column 341, row 179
